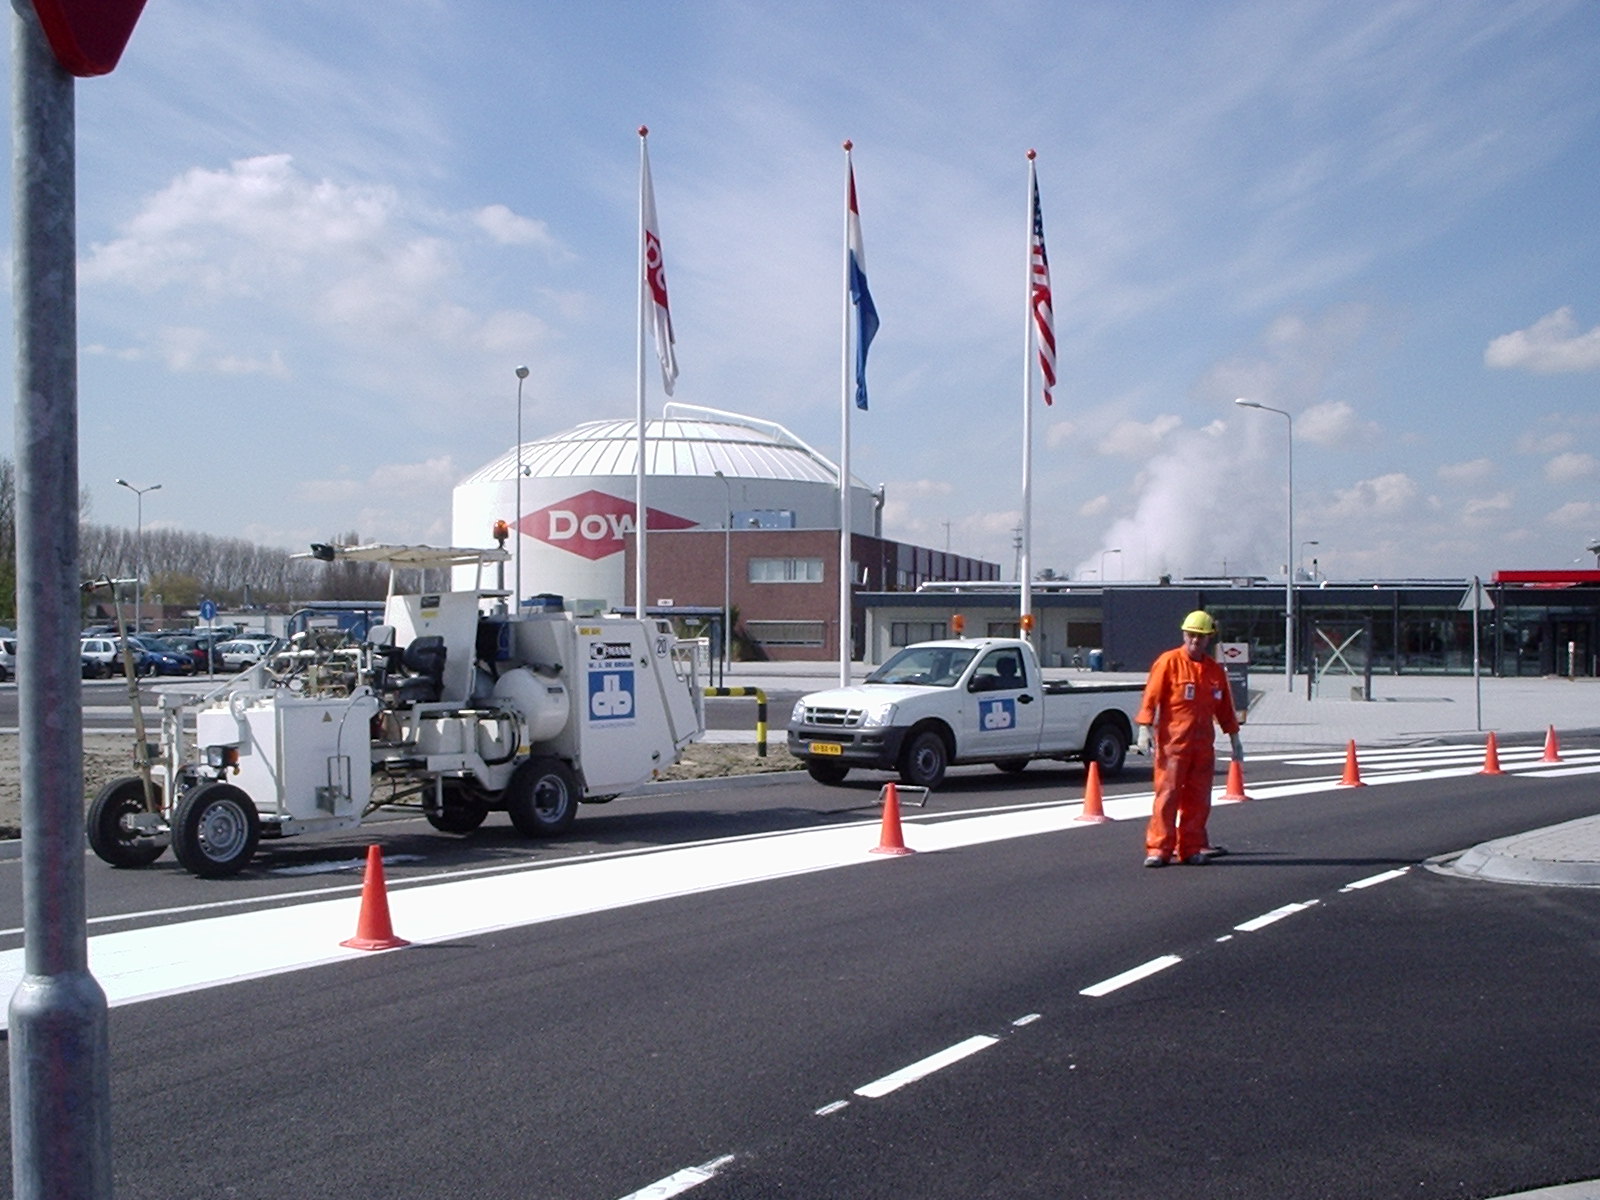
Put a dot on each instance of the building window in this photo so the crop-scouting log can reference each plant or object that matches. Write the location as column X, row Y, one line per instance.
column 786, row 633
column 907, row 633
column 785, row 570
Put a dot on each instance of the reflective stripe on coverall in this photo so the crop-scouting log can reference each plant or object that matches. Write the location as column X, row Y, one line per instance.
column 1181, row 699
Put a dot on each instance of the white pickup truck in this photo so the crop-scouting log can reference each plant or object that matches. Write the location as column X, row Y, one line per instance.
column 982, row 700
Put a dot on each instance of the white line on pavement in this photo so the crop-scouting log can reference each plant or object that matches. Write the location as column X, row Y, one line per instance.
column 1370, row 880
column 1106, row 986
column 681, row 1181
column 925, row 1067
column 1277, row 914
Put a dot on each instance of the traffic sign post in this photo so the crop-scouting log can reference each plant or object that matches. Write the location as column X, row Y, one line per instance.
column 87, row 37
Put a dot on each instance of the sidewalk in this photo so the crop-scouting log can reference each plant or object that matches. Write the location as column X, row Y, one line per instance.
column 1404, row 710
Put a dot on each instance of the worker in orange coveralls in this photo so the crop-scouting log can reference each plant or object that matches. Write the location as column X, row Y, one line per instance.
column 1186, row 692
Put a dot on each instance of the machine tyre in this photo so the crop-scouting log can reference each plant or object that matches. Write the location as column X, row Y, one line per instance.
column 462, row 812
column 831, row 774
column 1108, row 746
column 109, row 836
column 923, row 762
column 215, row 830
column 543, row 797
column 1013, row 766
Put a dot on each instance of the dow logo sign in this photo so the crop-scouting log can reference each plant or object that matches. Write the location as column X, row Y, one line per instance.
column 592, row 524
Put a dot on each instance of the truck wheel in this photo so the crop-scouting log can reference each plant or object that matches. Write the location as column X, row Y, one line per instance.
column 110, row 830
column 831, row 774
column 924, row 760
column 463, row 810
column 1013, row 766
column 1108, row 746
column 542, row 797
column 215, row 830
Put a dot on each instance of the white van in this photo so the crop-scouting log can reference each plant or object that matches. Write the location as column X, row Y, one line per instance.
column 8, row 659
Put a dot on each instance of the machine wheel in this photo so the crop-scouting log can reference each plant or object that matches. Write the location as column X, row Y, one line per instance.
column 462, row 812
column 1108, row 746
column 923, row 762
column 828, row 773
column 215, row 830
column 542, row 797
column 1013, row 766
column 110, row 832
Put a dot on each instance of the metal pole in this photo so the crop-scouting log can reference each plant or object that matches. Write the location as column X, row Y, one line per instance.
column 516, row 525
column 59, row 1047
column 727, row 574
column 1288, row 554
column 138, row 547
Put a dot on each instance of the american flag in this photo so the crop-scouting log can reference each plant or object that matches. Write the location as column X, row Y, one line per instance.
column 1039, row 287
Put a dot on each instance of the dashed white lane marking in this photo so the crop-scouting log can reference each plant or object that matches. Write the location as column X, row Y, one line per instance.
column 925, row 1067
column 829, row 1109
column 1277, row 914
column 1373, row 880
column 680, row 1181
column 1106, row 986
column 1027, row 1020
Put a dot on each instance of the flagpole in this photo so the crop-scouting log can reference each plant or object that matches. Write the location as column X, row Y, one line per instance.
column 640, row 509
column 1026, row 569
column 846, row 363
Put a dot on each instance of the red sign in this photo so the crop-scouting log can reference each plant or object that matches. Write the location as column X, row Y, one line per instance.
column 592, row 524
column 88, row 36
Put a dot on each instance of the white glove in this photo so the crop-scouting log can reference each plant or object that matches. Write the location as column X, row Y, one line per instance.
column 1142, row 745
column 1238, row 748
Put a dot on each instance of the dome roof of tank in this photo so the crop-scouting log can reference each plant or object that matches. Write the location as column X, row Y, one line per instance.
column 686, row 440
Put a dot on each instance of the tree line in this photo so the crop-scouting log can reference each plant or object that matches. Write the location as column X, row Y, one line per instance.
column 184, row 568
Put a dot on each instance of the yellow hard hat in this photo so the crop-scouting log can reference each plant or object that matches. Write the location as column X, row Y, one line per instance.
column 1199, row 621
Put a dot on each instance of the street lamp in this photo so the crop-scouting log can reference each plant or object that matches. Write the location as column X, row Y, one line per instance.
column 1288, row 561
column 138, row 546
column 1103, row 554
column 1303, row 546
column 516, row 524
column 727, row 575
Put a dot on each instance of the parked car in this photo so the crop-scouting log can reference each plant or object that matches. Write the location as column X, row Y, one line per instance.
column 8, row 658
column 107, row 651
column 161, row 657
column 242, row 652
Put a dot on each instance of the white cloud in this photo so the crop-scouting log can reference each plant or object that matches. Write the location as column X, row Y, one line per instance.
column 1473, row 471
column 1333, row 423
column 1383, row 495
column 1572, row 465
column 1578, row 514
column 1551, row 345
column 1095, row 507
column 1138, row 439
column 1544, row 443
column 1487, row 506
column 509, row 229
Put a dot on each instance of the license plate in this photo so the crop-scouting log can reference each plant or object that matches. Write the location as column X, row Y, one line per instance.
column 826, row 748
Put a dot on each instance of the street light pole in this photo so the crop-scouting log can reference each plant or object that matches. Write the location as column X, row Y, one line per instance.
column 516, row 524
column 727, row 575
column 138, row 548
column 1103, row 554
column 1288, row 561
column 1303, row 546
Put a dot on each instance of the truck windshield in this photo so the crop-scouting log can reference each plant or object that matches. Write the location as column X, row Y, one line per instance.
column 934, row 666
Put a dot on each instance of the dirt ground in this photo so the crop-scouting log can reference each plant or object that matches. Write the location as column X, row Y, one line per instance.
column 107, row 756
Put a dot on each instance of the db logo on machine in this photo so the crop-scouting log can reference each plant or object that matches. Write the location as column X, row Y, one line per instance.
column 997, row 715
column 592, row 524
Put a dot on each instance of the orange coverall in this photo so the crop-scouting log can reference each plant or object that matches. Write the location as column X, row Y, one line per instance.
column 1182, row 698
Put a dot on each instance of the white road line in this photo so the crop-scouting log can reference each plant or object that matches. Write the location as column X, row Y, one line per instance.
column 1106, row 986
column 827, row 1110
column 1371, row 880
column 925, row 1067
column 1277, row 914
column 1027, row 1020
column 681, row 1181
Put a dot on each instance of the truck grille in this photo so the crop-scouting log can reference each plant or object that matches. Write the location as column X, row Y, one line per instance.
column 831, row 718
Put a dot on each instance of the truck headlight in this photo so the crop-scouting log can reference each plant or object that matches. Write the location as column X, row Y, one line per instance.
column 876, row 715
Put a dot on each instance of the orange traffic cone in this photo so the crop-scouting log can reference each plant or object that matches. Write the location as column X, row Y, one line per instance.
column 1235, row 789
column 373, row 931
column 1093, row 806
column 1491, row 757
column 1552, row 746
column 891, row 841
column 1352, row 771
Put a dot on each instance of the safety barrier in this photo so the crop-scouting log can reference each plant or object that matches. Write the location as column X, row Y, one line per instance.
column 761, row 710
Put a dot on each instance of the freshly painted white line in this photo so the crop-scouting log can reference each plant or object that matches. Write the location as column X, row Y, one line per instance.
column 1277, row 914
column 827, row 1110
column 1106, row 986
column 1027, row 1020
column 925, row 1067
column 1371, row 880
column 681, row 1181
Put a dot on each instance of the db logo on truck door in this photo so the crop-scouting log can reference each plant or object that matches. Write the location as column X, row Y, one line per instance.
column 996, row 716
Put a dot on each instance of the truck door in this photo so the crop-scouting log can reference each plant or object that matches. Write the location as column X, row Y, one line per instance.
column 1004, row 709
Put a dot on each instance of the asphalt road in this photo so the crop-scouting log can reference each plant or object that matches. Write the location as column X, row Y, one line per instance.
column 1418, row 1034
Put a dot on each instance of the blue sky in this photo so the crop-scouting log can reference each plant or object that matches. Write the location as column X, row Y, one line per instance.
column 317, row 238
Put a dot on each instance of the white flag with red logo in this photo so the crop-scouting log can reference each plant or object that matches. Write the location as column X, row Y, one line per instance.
column 655, row 280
